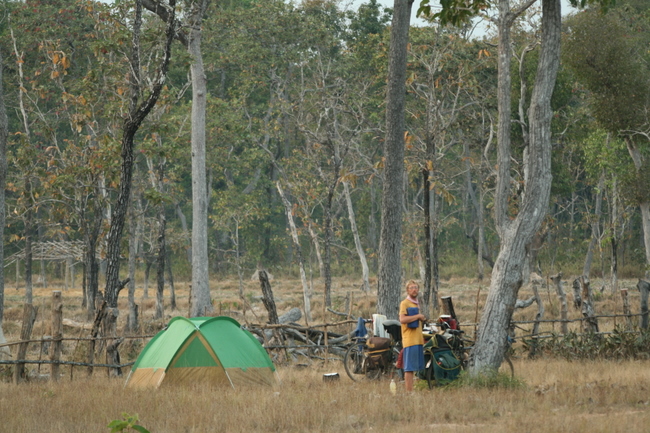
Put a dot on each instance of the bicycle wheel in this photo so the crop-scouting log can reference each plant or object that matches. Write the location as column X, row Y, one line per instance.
column 431, row 380
column 388, row 367
column 374, row 374
column 428, row 369
column 353, row 361
column 393, row 367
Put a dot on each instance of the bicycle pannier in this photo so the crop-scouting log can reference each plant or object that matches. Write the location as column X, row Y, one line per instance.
column 378, row 343
column 446, row 366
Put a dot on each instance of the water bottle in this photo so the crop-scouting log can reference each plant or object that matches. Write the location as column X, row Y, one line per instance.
column 393, row 387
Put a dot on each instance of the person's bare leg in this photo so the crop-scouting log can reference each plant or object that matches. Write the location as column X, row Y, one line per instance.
column 408, row 381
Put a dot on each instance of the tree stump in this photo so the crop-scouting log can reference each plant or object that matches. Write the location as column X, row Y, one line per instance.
column 587, row 302
column 267, row 300
column 577, row 299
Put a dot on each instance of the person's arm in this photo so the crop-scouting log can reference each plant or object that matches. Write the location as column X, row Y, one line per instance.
column 404, row 319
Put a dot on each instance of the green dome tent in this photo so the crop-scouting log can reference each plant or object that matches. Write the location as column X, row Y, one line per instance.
column 199, row 350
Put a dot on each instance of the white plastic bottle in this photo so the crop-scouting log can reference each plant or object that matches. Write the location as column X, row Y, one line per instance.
column 393, row 387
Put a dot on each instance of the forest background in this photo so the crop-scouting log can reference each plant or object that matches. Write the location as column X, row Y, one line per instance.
column 294, row 131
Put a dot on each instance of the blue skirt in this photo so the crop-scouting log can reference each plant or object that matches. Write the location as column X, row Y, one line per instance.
column 413, row 358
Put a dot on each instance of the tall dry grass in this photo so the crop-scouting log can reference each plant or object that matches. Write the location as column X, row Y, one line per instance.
column 603, row 396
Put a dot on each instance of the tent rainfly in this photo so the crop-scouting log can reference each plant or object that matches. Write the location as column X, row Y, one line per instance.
column 202, row 350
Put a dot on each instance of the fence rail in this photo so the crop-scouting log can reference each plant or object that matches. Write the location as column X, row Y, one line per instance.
column 316, row 337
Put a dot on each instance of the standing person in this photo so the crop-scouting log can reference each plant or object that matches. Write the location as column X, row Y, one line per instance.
column 412, row 340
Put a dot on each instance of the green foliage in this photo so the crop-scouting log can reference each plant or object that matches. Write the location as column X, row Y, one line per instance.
column 370, row 19
column 604, row 4
column 286, row 81
column 454, row 12
column 129, row 423
column 619, row 345
column 606, row 53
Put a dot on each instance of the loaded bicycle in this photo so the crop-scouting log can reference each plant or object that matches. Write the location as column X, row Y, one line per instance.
column 374, row 357
column 446, row 354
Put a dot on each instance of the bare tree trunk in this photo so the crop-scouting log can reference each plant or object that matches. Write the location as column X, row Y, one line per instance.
column 306, row 290
column 516, row 234
column 614, row 223
column 137, row 113
column 481, row 235
column 390, row 240
column 91, row 269
column 158, row 180
column 327, row 268
column 595, row 227
column 240, row 273
column 638, row 160
column 29, row 218
column 4, row 132
column 428, row 246
column 183, row 220
column 160, row 263
column 357, row 240
column 131, row 323
column 42, row 279
column 170, row 281
column 371, row 233
column 200, row 277
column 477, row 203
column 147, row 272
column 316, row 242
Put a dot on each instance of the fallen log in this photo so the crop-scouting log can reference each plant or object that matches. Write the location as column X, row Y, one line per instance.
column 74, row 324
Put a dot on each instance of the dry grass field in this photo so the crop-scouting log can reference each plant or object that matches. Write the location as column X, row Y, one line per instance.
column 555, row 395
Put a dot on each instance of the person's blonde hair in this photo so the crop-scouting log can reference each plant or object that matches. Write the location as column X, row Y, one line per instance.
column 410, row 283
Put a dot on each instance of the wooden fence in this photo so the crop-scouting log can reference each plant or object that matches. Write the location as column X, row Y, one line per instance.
column 317, row 341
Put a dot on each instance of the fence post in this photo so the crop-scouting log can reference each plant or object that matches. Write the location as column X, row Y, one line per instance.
column 29, row 317
column 57, row 334
column 538, row 317
column 564, row 309
column 626, row 310
column 587, row 302
column 644, row 288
